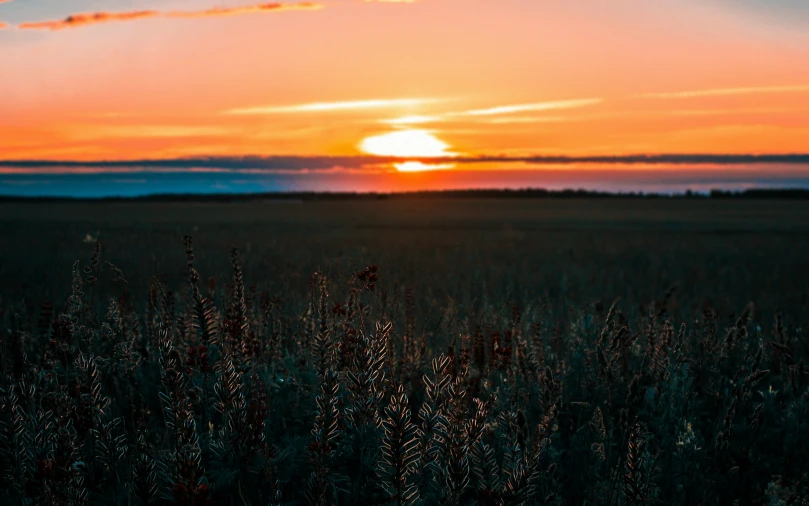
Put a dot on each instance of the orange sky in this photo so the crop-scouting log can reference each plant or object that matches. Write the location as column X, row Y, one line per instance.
column 99, row 80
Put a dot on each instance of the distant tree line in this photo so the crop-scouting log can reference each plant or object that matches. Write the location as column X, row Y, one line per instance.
column 522, row 193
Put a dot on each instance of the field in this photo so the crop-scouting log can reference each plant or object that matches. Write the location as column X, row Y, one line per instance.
column 405, row 351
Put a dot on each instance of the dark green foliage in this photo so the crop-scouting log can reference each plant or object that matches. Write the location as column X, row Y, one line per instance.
column 352, row 387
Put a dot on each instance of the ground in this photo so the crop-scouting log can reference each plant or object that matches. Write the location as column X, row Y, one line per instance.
column 724, row 252
column 405, row 351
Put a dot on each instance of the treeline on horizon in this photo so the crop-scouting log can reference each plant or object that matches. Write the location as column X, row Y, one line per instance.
column 522, row 193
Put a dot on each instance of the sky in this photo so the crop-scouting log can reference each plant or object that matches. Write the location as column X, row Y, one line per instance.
column 319, row 88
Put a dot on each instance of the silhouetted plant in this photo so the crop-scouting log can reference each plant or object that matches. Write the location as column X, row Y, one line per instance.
column 355, row 389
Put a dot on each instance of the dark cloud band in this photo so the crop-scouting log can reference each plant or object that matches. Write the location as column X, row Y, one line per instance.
column 314, row 163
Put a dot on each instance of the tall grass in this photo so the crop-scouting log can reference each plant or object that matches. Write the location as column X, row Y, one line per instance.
column 231, row 394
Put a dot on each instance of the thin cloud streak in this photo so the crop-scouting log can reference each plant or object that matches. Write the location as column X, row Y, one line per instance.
column 333, row 106
column 90, row 171
column 410, row 102
column 496, row 111
column 532, row 120
column 249, row 9
column 77, row 20
column 539, row 106
column 212, row 163
column 718, row 92
column 503, row 116
column 84, row 19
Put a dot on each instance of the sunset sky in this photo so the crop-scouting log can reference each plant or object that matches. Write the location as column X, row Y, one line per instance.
column 327, row 83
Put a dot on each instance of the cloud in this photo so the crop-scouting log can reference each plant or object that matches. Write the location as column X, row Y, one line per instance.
column 525, row 120
column 718, row 92
column 539, row 106
column 193, row 164
column 648, row 159
column 249, row 9
column 410, row 102
column 333, row 106
column 77, row 20
column 316, row 164
column 3, row 25
column 497, row 111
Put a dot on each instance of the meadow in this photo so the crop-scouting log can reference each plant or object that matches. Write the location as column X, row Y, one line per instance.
column 405, row 351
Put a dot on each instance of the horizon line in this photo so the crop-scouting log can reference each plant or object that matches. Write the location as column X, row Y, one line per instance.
column 791, row 193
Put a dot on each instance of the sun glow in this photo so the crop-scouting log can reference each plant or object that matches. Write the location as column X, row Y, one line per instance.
column 406, row 143
column 422, row 167
column 411, row 120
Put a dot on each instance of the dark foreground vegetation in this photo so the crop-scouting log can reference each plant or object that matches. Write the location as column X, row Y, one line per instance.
column 526, row 361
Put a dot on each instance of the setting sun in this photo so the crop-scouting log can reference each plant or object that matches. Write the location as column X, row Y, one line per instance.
column 406, row 143
column 422, row 167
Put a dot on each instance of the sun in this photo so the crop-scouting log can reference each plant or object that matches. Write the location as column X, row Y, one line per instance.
column 422, row 167
column 406, row 143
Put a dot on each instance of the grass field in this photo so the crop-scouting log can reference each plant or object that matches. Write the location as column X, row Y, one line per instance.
column 620, row 351
column 728, row 252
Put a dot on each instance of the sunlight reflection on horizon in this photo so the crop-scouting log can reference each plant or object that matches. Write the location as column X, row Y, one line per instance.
column 422, row 167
